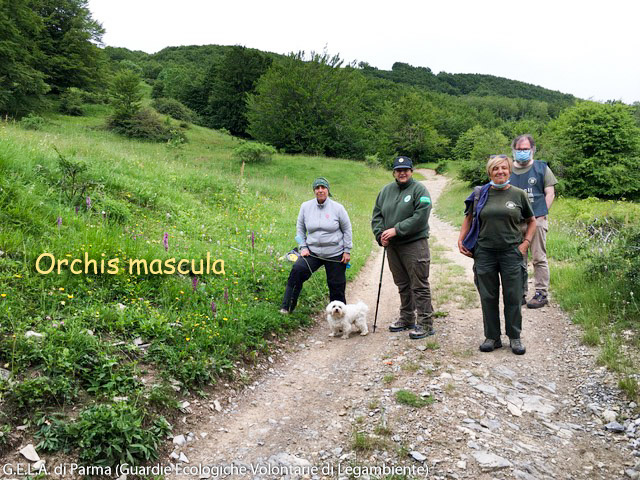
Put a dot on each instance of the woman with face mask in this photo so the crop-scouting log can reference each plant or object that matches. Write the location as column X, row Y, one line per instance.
column 491, row 235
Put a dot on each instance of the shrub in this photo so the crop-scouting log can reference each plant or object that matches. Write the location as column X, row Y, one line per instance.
column 32, row 122
column 145, row 124
column 40, row 392
column 372, row 161
column 71, row 102
column 174, row 108
column 126, row 95
column 597, row 150
column 473, row 149
column 254, row 152
column 108, row 435
column 115, row 211
column 622, row 263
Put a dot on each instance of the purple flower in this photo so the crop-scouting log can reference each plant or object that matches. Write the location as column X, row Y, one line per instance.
column 165, row 241
column 88, row 203
column 77, row 210
column 59, row 222
column 253, row 239
column 213, row 308
column 194, row 283
column 226, row 295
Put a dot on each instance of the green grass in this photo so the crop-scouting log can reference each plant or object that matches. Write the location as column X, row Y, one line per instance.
column 194, row 195
column 405, row 397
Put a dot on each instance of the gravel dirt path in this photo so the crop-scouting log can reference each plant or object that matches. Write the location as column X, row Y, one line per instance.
column 327, row 407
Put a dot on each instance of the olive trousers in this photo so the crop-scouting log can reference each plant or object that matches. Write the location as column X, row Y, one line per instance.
column 491, row 269
column 409, row 264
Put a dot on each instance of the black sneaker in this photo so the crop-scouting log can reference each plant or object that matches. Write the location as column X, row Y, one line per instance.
column 516, row 346
column 539, row 300
column 420, row 331
column 489, row 345
column 401, row 326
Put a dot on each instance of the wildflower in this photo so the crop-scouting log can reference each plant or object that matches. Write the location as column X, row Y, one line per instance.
column 194, row 283
column 63, row 303
column 165, row 241
column 77, row 210
column 59, row 222
column 88, row 203
column 226, row 295
column 3, row 295
column 61, row 289
column 104, row 215
column 69, row 297
column 213, row 308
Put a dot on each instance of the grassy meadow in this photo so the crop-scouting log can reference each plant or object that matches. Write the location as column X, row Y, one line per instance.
column 582, row 233
column 118, row 346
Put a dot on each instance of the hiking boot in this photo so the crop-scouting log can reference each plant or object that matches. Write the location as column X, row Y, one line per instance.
column 421, row 331
column 539, row 300
column 401, row 326
column 489, row 345
column 516, row 346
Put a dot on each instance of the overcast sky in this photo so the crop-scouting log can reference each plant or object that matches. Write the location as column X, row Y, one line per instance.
column 588, row 48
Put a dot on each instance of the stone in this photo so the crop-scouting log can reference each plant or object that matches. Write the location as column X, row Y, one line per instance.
column 179, row 440
column 4, row 374
column 217, row 406
column 462, row 465
column 631, row 473
column 491, row 461
column 174, row 456
column 38, row 465
column 515, row 411
column 32, row 334
column 417, row 456
column 488, row 389
column 609, row 416
column 183, row 458
column 614, row 427
column 29, row 452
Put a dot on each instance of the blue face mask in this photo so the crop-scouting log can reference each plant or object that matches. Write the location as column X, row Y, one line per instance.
column 500, row 186
column 522, row 156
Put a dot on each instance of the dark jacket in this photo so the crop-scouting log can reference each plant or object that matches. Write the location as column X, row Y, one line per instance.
column 405, row 207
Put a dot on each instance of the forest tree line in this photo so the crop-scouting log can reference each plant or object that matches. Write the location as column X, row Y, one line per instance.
column 51, row 52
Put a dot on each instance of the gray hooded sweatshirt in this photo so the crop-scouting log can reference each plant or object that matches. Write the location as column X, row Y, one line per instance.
column 324, row 228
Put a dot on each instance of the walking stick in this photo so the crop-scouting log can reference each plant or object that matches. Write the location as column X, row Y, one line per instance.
column 375, row 319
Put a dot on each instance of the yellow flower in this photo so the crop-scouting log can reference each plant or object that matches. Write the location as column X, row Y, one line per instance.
column 69, row 296
column 188, row 339
column 181, row 292
column 17, row 275
column 61, row 289
column 3, row 295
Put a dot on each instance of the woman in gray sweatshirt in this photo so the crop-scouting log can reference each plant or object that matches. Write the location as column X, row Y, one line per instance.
column 323, row 233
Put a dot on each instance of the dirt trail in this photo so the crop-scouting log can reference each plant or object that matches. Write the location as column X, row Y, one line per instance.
column 331, row 401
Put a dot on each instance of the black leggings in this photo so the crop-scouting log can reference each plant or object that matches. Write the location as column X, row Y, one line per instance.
column 301, row 272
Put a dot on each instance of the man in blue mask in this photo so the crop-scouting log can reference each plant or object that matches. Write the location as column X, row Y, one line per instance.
column 537, row 179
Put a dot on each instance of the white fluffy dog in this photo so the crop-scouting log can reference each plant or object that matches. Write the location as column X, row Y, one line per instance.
column 347, row 318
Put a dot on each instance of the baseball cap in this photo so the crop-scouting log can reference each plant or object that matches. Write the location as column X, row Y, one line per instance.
column 402, row 162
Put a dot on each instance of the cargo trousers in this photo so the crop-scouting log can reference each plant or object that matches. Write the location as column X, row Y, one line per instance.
column 409, row 264
column 491, row 269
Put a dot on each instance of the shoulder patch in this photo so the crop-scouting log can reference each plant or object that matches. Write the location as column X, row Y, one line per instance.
column 426, row 200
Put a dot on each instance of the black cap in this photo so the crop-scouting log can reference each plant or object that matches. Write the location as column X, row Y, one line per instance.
column 402, row 162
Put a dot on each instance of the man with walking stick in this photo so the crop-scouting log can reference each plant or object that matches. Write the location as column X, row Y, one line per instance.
column 400, row 224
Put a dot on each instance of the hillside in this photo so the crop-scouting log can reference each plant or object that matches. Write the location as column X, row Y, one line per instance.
column 74, row 191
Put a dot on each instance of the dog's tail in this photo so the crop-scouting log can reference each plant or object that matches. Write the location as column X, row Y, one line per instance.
column 363, row 305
